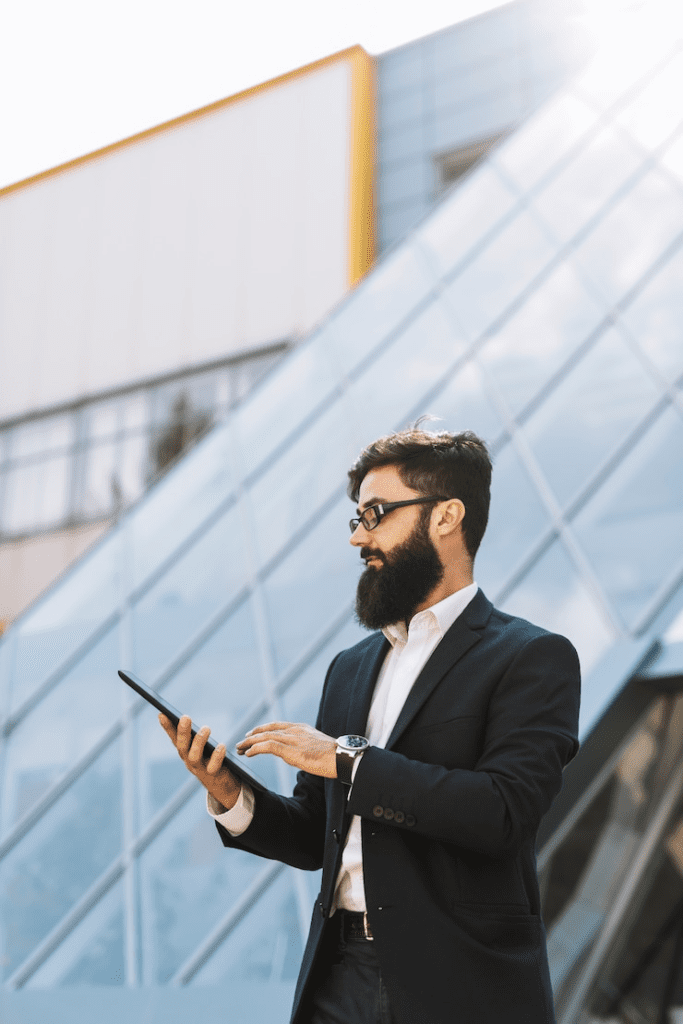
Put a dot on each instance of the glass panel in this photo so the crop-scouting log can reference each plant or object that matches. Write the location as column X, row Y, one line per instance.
column 656, row 110
column 516, row 522
column 464, row 405
column 488, row 284
column 266, row 418
column 205, row 578
column 307, row 590
column 554, row 596
column 568, row 457
column 51, row 739
column 133, row 467
column 103, row 419
column 266, row 946
column 23, row 494
column 134, row 411
column 63, row 854
column 293, row 488
column 217, row 687
column 93, row 954
column 178, row 503
column 377, row 307
column 390, row 391
column 54, row 486
column 591, row 178
column 101, row 486
column 67, row 616
column 547, row 137
column 632, row 235
column 463, row 219
column 43, row 435
column 532, row 345
column 631, row 529
column 632, row 50
column 188, row 883
column 655, row 316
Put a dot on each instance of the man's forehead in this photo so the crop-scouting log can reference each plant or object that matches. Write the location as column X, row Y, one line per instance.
column 383, row 484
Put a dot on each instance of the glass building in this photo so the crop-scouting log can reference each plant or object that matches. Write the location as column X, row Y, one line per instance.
column 539, row 305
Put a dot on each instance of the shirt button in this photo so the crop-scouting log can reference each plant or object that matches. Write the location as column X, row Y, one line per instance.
column 410, row 820
column 399, row 817
column 378, row 811
column 388, row 813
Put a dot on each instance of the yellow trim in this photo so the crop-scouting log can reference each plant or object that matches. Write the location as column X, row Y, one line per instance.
column 362, row 165
column 355, row 54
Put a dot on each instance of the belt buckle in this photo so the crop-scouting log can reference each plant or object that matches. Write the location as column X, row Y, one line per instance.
column 366, row 928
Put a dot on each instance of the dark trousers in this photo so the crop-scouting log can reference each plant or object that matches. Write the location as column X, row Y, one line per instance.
column 352, row 992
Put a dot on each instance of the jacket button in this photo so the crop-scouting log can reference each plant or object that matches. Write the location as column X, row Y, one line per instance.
column 388, row 813
column 410, row 820
column 399, row 817
column 378, row 811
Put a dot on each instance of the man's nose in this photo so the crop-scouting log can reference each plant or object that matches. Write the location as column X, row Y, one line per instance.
column 359, row 536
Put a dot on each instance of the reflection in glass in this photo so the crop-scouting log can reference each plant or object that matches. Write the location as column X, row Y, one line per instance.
column 66, row 724
column 464, row 218
column 217, row 687
column 547, row 137
column 516, row 521
column 655, row 316
column 67, row 616
column 93, row 953
column 304, row 593
column 651, row 212
column 265, row 947
column 568, row 458
column 205, row 578
column 101, row 486
column 534, row 343
column 312, row 469
column 464, row 405
column 383, row 396
column 587, row 182
column 656, row 110
column 554, row 596
column 47, row 434
column 487, row 285
column 188, row 883
column 631, row 529
column 56, row 862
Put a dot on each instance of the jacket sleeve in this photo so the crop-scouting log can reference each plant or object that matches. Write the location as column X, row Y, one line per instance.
column 530, row 734
column 289, row 829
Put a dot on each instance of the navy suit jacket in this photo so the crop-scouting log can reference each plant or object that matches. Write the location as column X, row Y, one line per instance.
column 450, row 810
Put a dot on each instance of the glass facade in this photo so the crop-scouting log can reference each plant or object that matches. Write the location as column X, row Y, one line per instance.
column 523, row 308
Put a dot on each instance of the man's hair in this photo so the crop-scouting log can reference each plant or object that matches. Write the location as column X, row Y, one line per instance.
column 454, row 465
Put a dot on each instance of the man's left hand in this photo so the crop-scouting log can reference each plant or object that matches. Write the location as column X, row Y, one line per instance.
column 298, row 745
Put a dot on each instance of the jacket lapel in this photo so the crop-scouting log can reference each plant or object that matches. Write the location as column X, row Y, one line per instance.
column 364, row 684
column 463, row 634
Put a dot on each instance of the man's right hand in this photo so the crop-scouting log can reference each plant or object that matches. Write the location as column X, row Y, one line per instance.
column 221, row 783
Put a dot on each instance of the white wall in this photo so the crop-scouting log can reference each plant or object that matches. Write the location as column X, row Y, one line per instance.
column 223, row 233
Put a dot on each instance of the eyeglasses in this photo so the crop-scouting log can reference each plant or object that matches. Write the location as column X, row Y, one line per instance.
column 372, row 516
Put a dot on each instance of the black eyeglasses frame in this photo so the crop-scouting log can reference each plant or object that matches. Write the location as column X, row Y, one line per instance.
column 381, row 509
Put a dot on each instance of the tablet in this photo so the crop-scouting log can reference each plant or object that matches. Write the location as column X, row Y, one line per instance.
column 161, row 704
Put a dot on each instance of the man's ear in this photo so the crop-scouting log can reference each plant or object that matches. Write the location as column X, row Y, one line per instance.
column 449, row 516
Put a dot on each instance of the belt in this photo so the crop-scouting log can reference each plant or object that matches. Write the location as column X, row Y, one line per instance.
column 354, row 924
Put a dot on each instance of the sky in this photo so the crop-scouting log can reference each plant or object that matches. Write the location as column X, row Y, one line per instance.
column 76, row 75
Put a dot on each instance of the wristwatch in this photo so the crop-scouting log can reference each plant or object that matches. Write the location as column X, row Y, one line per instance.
column 348, row 749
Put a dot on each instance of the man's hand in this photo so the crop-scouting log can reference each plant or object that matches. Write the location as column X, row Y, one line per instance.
column 221, row 783
column 298, row 745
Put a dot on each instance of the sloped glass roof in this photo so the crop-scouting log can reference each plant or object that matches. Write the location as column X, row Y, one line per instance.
column 539, row 306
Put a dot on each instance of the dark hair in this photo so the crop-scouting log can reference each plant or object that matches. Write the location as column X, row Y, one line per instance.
column 455, row 465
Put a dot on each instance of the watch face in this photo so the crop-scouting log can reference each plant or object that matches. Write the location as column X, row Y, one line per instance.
column 353, row 742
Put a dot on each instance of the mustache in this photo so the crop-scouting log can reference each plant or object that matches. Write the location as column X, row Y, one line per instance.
column 366, row 553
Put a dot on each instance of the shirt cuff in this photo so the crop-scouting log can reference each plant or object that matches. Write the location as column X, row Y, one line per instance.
column 354, row 768
column 238, row 819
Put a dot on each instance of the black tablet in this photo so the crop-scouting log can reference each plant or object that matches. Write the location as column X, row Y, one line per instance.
column 161, row 704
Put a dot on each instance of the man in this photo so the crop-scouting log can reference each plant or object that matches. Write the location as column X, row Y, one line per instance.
column 439, row 746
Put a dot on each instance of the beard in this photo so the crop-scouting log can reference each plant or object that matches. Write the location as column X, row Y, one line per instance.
column 409, row 573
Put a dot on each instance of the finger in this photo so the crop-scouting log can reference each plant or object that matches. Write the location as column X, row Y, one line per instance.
column 215, row 762
column 168, row 726
column 269, row 727
column 196, row 752
column 184, row 735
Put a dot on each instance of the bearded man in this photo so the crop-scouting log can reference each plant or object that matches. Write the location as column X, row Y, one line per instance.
column 439, row 746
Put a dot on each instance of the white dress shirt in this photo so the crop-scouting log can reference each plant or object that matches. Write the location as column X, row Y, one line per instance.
column 407, row 656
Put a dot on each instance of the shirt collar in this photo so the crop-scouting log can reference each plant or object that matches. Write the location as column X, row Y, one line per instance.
column 442, row 615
